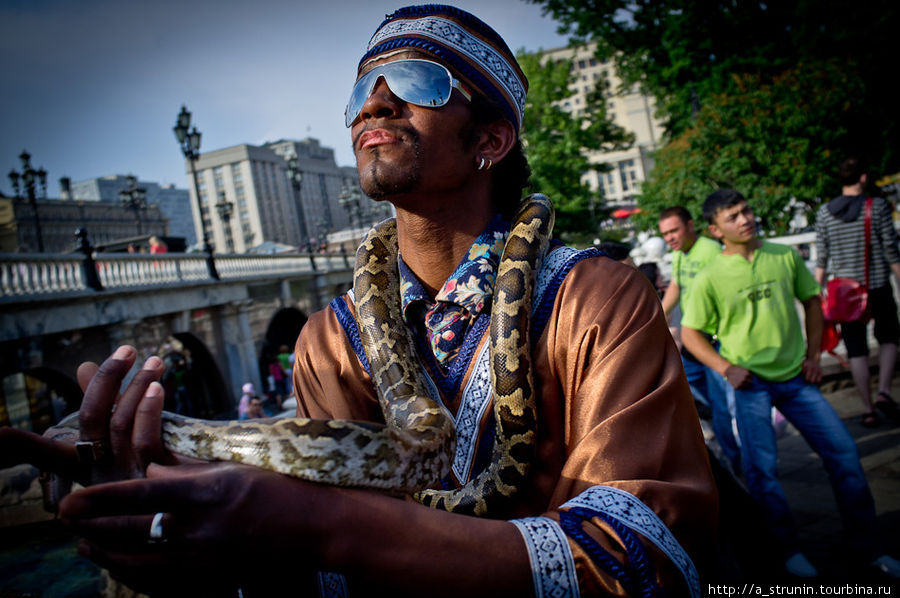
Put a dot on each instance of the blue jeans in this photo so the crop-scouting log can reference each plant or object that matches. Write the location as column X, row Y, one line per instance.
column 709, row 387
column 804, row 406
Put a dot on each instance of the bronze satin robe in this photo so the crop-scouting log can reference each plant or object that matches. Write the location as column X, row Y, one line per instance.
column 614, row 409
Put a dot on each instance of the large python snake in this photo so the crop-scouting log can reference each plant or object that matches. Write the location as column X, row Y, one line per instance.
column 411, row 452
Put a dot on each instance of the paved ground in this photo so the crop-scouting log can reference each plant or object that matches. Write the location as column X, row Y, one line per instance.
column 39, row 559
column 809, row 492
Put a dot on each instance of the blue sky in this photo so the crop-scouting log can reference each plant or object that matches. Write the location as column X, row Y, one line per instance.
column 92, row 87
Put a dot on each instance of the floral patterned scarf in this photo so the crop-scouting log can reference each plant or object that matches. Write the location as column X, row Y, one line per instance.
column 465, row 295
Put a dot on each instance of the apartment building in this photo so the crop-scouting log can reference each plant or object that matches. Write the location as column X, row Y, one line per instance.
column 629, row 109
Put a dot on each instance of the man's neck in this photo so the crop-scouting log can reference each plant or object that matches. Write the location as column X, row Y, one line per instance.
column 853, row 190
column 688, row 243
column 433, row 244
column 744, row 250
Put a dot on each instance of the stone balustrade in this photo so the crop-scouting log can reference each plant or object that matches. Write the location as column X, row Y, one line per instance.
column 23, row 275
column 29, row 276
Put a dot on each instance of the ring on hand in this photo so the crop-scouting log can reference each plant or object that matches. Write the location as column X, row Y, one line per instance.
column 91, row 451
column 156, row 530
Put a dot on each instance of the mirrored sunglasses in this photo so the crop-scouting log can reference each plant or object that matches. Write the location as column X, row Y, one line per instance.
column 415, row 81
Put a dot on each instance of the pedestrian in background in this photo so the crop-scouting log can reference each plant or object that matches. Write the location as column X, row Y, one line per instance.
column 841, row 250
column 244, row 403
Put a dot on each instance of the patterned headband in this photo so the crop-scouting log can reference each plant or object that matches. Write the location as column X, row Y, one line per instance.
column 461, row 41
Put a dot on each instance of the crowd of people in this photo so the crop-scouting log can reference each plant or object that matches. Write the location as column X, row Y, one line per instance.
column 608, row 491
column 747, row 356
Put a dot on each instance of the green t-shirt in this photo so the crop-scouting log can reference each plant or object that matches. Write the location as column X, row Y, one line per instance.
column 285, row 360
column 685, row 266
column 750, row 307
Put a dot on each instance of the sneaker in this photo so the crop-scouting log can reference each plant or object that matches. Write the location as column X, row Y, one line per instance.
column 887, row 565
column 800, row 566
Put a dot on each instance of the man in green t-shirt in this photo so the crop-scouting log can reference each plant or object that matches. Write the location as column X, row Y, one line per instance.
column 690, row 253
column 746, row 296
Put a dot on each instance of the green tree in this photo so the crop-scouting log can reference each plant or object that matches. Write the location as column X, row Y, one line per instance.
column 684, row 52
column 772, row 140
column 556, row 143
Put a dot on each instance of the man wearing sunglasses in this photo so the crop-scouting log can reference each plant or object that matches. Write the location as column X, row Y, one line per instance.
column 620, row 485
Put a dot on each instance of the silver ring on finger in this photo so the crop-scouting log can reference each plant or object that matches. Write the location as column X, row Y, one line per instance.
column 157, row 534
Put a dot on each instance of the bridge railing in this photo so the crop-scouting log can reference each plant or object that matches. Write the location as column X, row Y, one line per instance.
column 39, row 274
column 24, row 275
column 248, row 266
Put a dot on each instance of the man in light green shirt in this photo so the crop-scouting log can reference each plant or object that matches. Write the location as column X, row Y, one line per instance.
column 690, row 253
column 746, row 296
column 750, row 307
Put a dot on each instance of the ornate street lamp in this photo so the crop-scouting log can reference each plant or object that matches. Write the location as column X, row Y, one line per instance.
column 134, row 197
column 29, row 177
column 351, row 200
column 296, row 178
column 225, row 209
column 190, row 147
column 322, row 228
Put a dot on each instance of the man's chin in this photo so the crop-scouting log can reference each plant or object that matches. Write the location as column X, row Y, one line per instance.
column 379, row 180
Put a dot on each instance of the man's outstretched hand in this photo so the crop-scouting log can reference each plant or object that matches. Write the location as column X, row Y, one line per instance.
column 120, row 433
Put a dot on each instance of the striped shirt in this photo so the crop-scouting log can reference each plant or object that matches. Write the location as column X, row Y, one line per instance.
column 840, row 245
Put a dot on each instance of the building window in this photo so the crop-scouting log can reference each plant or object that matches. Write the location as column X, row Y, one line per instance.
column 608, row 182
column 628, row 174
column 581, row 64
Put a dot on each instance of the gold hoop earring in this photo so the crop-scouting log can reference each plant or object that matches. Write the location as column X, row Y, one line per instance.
column 490, row 163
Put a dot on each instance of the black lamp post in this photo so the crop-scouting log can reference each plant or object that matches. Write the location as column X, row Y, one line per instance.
column 29, row 177
column 296, row 177
column 322, row 228
column 190, row 147
column 134, row 197
column 225, row 209
column 351, row 200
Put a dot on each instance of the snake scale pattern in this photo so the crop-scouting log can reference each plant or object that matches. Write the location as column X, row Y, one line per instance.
column 412, row 451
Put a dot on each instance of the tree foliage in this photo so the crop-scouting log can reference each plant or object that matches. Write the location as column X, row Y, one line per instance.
column 771, row 140
column 556, row 144
column 685, row 52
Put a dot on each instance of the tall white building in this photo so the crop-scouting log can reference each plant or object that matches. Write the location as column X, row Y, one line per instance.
column 630, row 109
column 245, row 198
